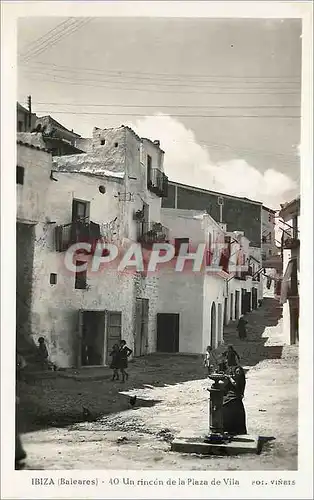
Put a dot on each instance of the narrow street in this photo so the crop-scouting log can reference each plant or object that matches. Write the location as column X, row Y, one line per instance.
column 171, row 397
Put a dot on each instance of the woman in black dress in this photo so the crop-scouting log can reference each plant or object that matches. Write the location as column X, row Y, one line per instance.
column 124, row 354
column 234, row 419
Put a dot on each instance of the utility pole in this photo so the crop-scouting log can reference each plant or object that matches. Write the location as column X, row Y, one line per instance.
column 29, row 101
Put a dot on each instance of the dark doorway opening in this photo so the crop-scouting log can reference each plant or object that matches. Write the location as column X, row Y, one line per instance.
column 254, row 298
column 243, row 301
column 168, row 332
column 231, row 306
column 92, row 338
column 226, row 312
column 237, row 305
column 213, row 325
column 25, row 240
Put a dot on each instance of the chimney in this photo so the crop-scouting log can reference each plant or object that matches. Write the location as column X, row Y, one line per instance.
column 157, row 143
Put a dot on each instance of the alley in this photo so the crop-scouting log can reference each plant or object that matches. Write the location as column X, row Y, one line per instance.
column 171, row 396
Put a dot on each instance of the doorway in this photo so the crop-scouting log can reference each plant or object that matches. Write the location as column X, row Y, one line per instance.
column 113, row 332
column 249, row 301
column 141, row 327
column 254, row 298
column 213, row 325
column 237, row 304
column 226, row 312
column 168, row 332
column 243, row 301
column 92, row 338
column 231, row 307
column 220, row 323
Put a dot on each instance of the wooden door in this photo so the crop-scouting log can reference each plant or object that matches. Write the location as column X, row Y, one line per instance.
column 113, row 331
column 213, row 326
column 78, row 343
column 144, row 327
column 167, row 332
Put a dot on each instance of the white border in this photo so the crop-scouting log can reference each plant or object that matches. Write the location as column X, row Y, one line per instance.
column 16, row 484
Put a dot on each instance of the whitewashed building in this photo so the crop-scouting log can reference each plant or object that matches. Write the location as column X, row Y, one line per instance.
column 194, row 305
column 290, row 213
column 111, row 193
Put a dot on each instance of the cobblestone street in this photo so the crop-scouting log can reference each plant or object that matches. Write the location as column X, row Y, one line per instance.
column 171, row 397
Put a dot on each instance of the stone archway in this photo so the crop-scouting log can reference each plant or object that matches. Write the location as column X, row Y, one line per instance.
column 213, row 325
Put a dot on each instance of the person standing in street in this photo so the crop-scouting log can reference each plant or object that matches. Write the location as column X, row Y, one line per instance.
column 124, row 353
column 115, row 358
column 232, row 356
column 241, row 327
column 210, row 361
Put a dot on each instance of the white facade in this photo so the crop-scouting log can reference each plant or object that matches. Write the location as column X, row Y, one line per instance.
column 111, row 181
column 205, row 301
column 268, row 233
column 290, row 215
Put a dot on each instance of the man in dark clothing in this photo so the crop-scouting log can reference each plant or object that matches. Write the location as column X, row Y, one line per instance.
column 241, row 327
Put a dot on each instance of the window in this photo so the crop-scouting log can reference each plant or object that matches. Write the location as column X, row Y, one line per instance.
column 263, row 239
column 102, row 142
column 116, row 144
column 20, row 126
column 80, row 278
column 53, row 279
column 19, row 175
column 80, row 211
column 177, row 244
column 149, row 169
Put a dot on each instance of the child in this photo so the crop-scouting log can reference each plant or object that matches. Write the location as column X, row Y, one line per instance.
column 232, row 356
column 115, row 356
column 43, row 353
column 210, row 360
column 44, row 356
column 124, row 354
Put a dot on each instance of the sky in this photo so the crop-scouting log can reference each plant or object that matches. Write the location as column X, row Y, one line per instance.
column 221, row 95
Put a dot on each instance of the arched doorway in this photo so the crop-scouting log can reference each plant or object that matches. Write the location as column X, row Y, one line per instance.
column 213, row 325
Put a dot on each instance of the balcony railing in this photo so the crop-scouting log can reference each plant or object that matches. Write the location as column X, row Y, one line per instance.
column 76, row 232
column 291, row 243
column 152, row 232
column 158, row 183
column 242, row 275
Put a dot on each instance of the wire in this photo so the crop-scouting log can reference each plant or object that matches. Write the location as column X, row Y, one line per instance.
column 49, row 43
column 63, row 80
column 76, row 104
column 47, row 36
column 119, row 81
column 171, row 75
column 184, row 116
column 126, row 79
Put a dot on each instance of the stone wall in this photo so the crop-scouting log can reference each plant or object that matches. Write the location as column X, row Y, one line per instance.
column 237, row 213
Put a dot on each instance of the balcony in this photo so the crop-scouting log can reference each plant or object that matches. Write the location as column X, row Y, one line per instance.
column 152, row 232
column 291, row 243
column 242, row 275
column 76, row 232
column 158, row 183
